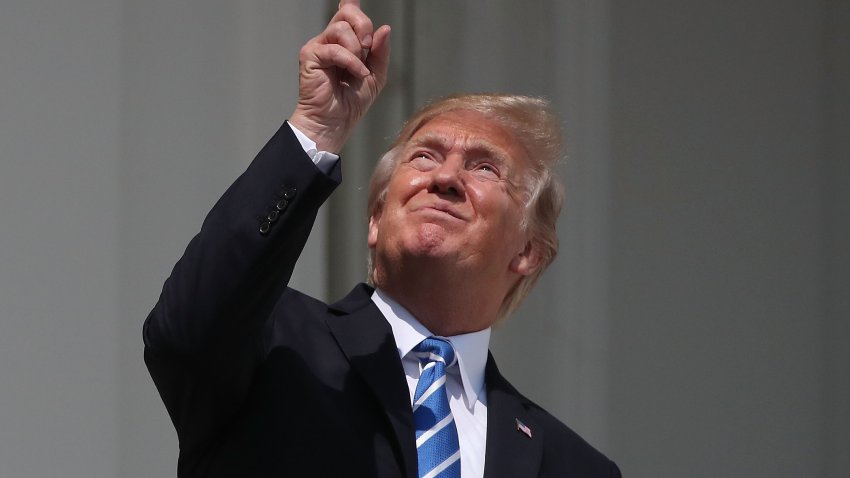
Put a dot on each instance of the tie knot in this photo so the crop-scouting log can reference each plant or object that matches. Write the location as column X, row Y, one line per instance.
column 434, row 349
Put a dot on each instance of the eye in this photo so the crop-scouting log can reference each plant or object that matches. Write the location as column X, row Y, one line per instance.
column 423, row 161
column 485, row 170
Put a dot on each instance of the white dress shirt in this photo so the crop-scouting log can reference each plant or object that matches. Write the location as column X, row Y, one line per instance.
column 464, row 383
column 324, row 160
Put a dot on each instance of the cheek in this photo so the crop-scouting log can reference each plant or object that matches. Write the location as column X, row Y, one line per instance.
column 403, row 186
column 493, row 200
column 416, row 182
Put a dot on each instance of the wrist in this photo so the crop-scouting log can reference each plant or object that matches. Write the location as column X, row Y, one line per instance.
column 327, row 137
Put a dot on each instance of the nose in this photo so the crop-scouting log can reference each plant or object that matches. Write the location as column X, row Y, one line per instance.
column 447, row 177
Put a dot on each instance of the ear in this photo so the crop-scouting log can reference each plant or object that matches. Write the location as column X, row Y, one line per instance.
column 372, row 237
column 527, row 261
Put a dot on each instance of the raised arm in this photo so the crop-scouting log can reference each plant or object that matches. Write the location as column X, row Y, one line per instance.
column 239, row 262
column 342, row 71
column 204, row 339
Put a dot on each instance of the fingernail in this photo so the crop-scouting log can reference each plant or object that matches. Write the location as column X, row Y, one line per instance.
column 367, row 41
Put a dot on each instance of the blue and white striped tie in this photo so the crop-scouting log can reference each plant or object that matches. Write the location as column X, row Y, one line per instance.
column 436, row 433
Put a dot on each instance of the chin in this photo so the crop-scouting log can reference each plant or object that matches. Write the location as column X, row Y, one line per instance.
column 426, row 241
column 431, row 239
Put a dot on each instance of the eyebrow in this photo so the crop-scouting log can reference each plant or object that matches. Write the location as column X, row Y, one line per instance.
column 474, row 146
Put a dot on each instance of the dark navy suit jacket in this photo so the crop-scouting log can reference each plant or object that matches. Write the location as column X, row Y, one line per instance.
column 263, row 381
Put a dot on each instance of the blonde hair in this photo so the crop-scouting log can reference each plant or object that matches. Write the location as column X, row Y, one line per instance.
column 536, row 129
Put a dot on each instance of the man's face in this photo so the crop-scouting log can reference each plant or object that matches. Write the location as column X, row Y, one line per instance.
column 457, row 194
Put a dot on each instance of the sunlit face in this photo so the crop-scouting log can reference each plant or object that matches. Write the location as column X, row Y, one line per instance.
column 457, row 194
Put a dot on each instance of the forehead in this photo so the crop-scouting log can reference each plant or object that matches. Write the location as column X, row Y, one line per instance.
column 470, row 131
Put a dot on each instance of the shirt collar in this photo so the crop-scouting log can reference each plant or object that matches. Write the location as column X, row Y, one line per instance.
column 471, row 348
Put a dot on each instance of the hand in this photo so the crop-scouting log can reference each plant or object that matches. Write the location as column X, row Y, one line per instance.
column 341, row 73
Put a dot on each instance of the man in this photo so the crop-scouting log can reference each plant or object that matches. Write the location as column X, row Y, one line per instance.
column 391, row 381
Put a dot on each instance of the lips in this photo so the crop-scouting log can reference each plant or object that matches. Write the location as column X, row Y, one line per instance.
column 442, row 208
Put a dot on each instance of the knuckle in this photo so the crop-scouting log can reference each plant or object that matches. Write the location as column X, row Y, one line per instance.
column 338, row 27
column 364, row 23
column 342, row 33
column 360, row 22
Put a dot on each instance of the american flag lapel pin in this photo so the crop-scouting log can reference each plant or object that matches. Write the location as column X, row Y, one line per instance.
column 522, row 427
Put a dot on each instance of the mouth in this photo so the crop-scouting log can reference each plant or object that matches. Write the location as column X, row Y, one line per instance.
column 442, row 209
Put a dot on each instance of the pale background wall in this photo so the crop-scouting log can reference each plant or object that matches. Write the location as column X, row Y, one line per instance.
column 694, row 324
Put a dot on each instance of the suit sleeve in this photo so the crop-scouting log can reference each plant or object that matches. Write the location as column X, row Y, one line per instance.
column 204, row 338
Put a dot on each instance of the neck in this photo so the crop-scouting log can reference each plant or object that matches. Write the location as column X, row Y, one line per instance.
column 447, row 303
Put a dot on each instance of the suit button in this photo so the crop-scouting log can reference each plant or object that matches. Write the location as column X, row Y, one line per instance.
column 273, row 215
column 281, row 205
column 287, row 193
column 265, row 228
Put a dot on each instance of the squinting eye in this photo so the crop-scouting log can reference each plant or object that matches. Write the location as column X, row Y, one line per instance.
column 486, row 171
column 422, row 161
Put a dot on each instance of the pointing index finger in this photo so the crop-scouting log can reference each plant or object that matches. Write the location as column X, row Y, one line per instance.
column 356, row 3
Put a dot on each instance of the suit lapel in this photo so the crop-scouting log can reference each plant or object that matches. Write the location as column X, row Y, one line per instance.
column 511, row 452
column 366, row 339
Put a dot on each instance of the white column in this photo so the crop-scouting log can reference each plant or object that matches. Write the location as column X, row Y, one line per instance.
column 59, row 244
column 717, row 238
